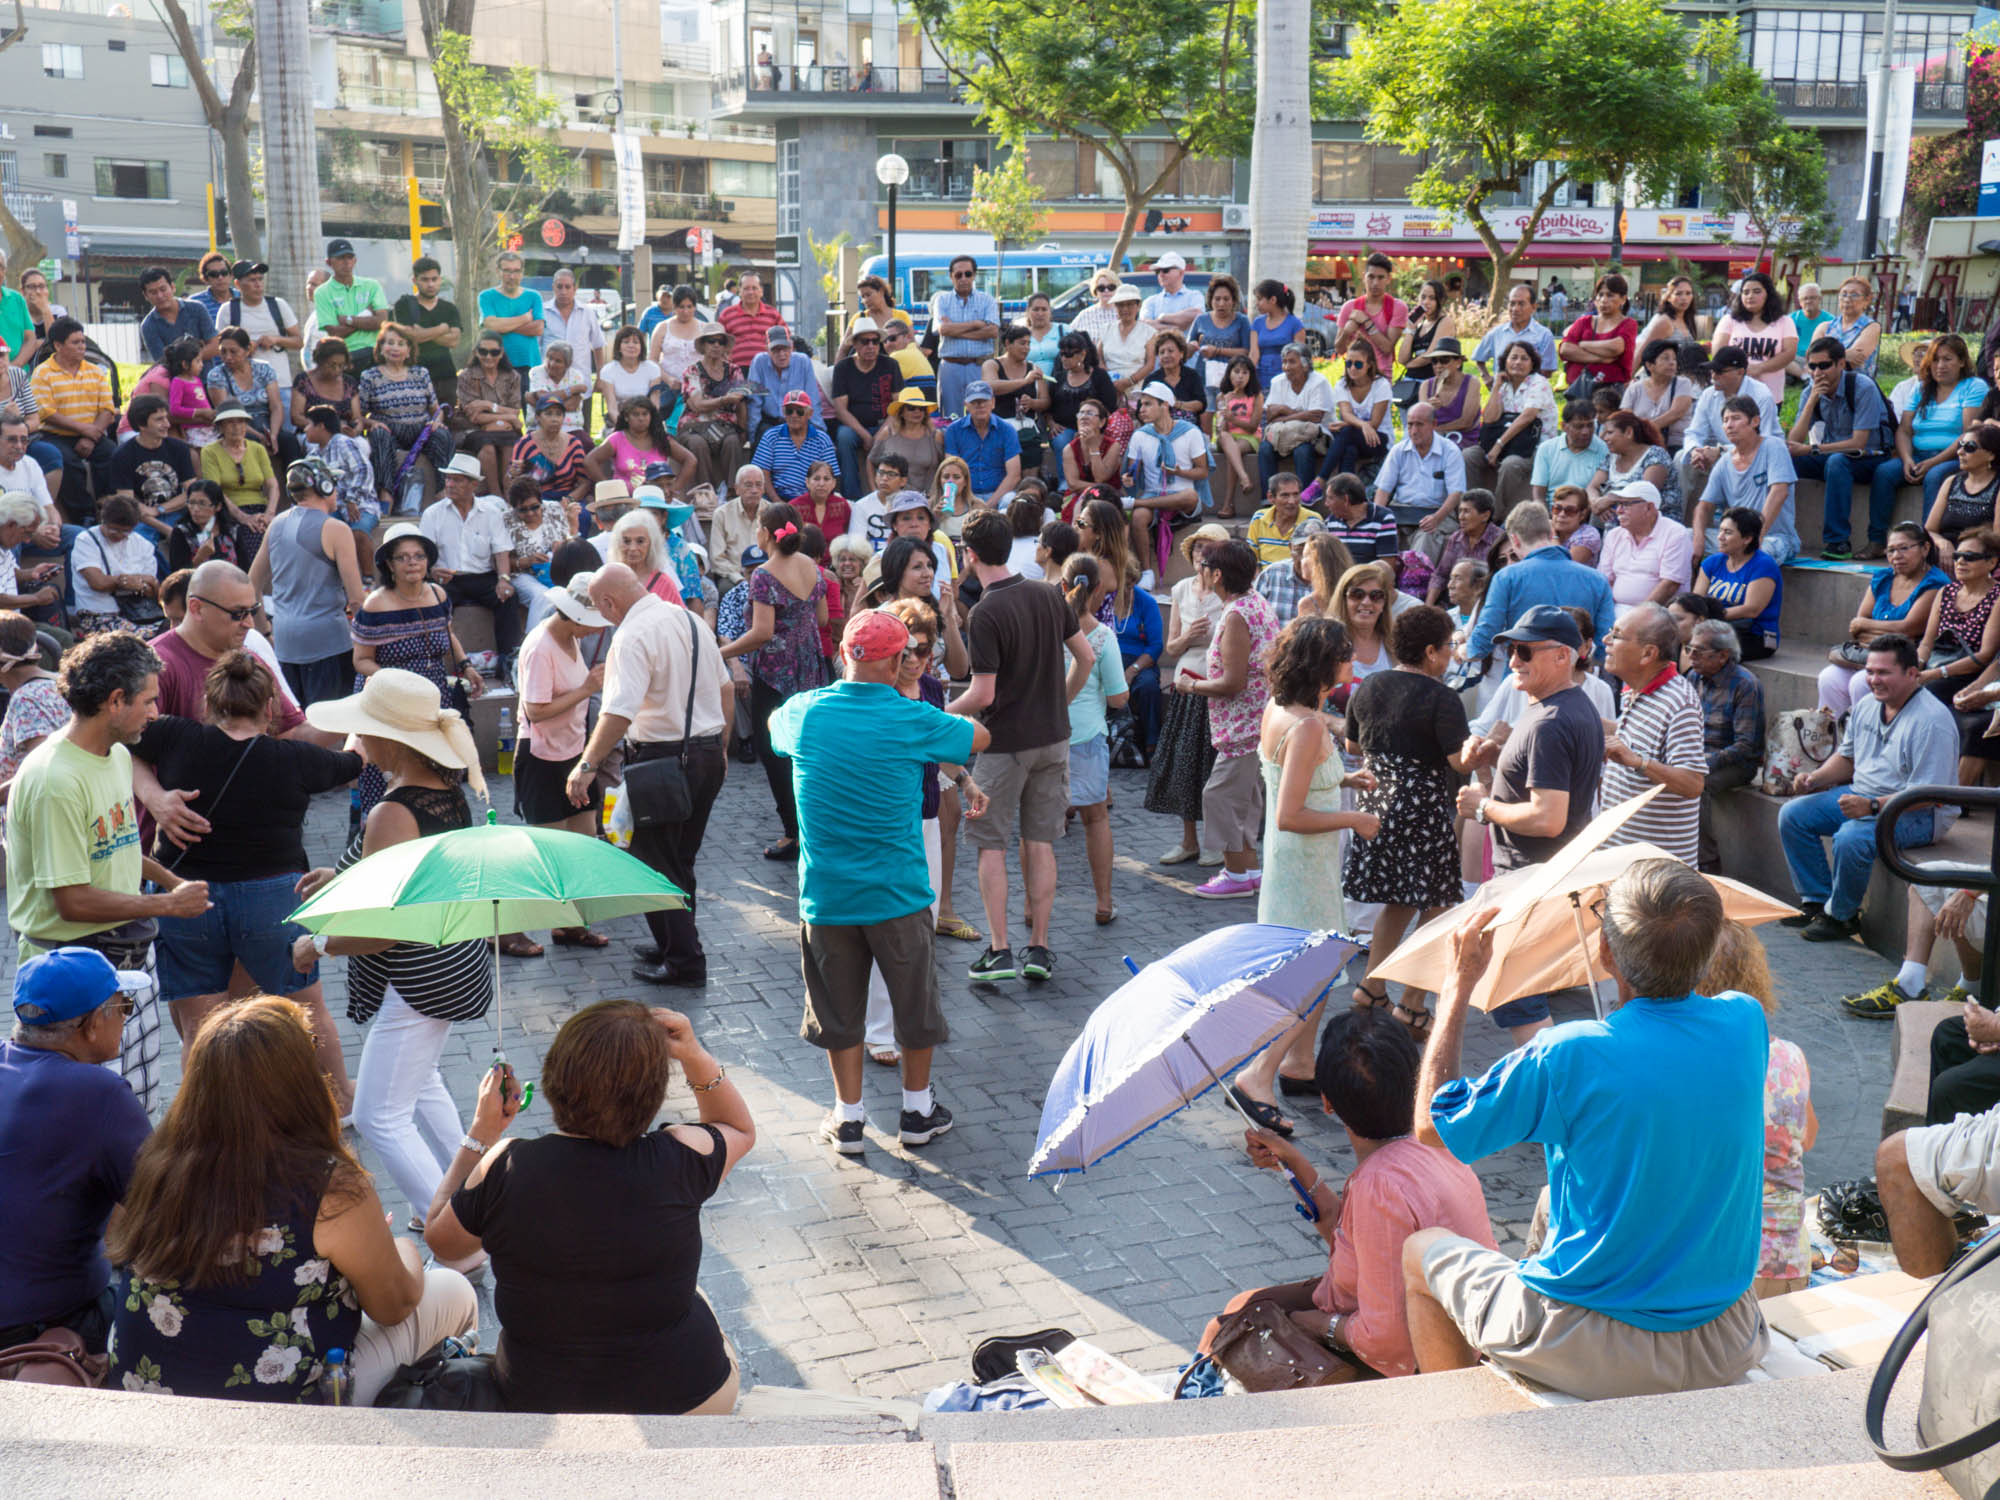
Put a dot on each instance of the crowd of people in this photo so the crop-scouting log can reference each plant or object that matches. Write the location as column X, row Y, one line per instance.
column 1461, row 619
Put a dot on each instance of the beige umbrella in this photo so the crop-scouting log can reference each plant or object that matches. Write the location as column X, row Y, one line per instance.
column 1544, row 927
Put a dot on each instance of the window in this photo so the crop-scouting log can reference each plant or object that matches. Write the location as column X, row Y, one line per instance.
column 169, row 72
column 1392, row 175
column 1340, row 171
column 1810, row 46
column 61, row 60
column 1052, row 168
column 54, row 132
column 55, row 164
column 754, row 179
column 788, row 187
column 119, row 178
column 1015, row 283
column 1207, row 177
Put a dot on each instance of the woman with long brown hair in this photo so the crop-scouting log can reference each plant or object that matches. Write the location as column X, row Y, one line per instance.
column 250, row 1243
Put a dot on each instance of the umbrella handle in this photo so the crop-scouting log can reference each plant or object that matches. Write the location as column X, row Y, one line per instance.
column 1583, row 945
column 1305, row 1208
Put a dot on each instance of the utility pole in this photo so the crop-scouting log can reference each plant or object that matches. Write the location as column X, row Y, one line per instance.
column 618, row 123
column 291, row 161
column 1878, row 134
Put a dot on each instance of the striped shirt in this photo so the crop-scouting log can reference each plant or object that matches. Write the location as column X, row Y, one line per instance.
column 77, row 398
column 1661, row 722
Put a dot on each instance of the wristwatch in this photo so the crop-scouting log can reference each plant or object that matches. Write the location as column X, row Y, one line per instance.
column 1479, row 812
column 472, row 1143
column 585, row 766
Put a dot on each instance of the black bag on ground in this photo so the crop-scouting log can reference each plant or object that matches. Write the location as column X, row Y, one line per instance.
column 1122, row 733
column 445, row 1382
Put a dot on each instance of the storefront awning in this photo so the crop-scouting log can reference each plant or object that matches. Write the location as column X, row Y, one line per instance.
column 1561, row 251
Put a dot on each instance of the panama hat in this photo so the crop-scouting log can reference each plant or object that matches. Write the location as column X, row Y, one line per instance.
column 402, row 706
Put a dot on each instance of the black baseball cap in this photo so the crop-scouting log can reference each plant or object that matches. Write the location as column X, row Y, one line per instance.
column 337, row 248
column 1729, row 357
column 1544, row 622
column 244, row 268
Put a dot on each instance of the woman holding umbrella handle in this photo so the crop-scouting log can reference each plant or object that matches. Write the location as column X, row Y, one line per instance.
column 411, row 992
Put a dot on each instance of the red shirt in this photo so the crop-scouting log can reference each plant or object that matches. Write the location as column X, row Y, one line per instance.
column 182, row 672
column 749, row 331
column 1619, row 370
column 831, row 521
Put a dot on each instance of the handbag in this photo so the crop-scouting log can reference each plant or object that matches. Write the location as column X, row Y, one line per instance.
column 1961, row 1379
column 1945, row 650
column 1404, row 392
column 1122, row 732
column 58, row 1357
column 1522, row 445
column 135, row 609
column 445, row 1381
column 129, row 945
column 658, row 788
column 1263, row 1349
column 1849, row 653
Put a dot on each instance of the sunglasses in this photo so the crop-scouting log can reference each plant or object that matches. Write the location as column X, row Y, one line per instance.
column 1525, row 650
column 1357, row 364
column 1966, row 445
column 867, row 341
column 917, row 650
column 216, row 275
column 1973, row 556
column 236, row 615
column 489, row 353
column 1824, row 364
column 1366, row 594
column 532, row 508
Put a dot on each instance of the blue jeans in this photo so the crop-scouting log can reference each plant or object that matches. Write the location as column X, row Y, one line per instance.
column 1145, row 701
column 1889, row 478
column 1839, row 471
column 1347, row 451
column 1804, row 821
column 1304, row 460
column 31, row 554
column 47, row 456
column 853, row 466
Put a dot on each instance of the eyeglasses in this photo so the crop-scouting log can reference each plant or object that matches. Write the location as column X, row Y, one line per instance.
column 489, row 353
column 961, row 275
column 533, row 508
column 1818, row 365
column 1621, row 501
column 236, row 615
column 867, row 342
column 1364, row 595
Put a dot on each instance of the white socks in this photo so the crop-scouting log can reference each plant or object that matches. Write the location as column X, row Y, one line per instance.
column 848, row 1111
column 1912, row 977
column 919, row 1102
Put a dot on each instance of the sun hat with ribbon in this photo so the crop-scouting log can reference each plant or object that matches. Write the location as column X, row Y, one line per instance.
column 402, row 706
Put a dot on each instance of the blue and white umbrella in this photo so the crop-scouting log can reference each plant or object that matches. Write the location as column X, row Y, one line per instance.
column 1175, row 1030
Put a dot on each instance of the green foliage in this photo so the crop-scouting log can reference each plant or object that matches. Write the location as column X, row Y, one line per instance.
column 1005, row 203
column 1765, row 168
column 1602, row 90
column 826, row 255
column 503, row 112
column 1944, row 169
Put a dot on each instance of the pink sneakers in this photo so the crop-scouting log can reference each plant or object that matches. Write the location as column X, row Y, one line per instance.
column 1224, row 886
column 1310, row 493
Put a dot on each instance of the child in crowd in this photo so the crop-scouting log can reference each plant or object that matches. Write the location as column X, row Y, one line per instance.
column 868, row 517
column 1024, row 518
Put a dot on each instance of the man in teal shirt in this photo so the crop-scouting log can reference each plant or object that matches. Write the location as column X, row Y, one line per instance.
column 17, row 324
column 514, row 313
column 1808, row 318
column 864, row 891
column 349, row 307
column 1572, row 456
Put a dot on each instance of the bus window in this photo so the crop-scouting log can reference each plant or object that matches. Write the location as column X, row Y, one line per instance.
column 924, row 284
column 1016, row 282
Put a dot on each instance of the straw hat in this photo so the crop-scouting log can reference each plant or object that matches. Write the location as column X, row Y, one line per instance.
column 610, row 494
column 909, row 395
column 1212, row 531
column 402, row 706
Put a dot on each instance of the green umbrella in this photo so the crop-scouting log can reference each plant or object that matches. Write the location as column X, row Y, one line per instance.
column 481, row 882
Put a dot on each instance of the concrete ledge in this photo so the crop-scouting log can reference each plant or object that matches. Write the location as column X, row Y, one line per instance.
column 1910, row 1062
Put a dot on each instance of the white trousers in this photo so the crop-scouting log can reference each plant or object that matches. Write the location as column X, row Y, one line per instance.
column 401, row 1106
column 881, row 1032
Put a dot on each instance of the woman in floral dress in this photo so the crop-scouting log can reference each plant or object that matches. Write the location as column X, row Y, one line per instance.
column 251, row 1243
column 787, row 607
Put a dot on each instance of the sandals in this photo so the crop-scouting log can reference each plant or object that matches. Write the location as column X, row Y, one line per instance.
column 520, row 945
column 887, row 1057
column 1267, row 1116
column 1416, row 1017
column 578, row 937
column 1107, row 917
column 1367, row 999
column 1298, row 1088
column 958, row 927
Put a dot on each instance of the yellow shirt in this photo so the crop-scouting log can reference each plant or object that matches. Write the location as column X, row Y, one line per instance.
column 910, row 360
column 75, row 398
column 896, row 315
column 1270, row 543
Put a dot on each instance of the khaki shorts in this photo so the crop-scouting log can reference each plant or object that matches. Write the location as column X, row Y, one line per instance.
column 1033, row 784
column 1935, row 896
column 1572, row 1349
column 1957, row 1166
column 1232, row 803
column 836, row 962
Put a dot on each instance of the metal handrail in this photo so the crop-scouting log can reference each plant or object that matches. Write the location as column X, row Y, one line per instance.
column 1971, row 877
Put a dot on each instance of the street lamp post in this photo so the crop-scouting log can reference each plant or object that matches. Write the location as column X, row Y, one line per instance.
column 892, row 172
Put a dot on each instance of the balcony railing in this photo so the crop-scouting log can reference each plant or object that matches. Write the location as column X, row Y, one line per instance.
column 1817, row 97
column 690, row 56
column 767, row 80
column 687, row 206
column 360, row 17
column 387, row 98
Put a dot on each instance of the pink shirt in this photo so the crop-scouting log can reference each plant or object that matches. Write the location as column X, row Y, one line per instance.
column 1636, row 568
column 1403, row 1187
column 1391, row 320
column 547, row 671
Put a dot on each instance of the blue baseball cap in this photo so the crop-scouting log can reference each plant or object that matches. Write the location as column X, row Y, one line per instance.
column 65, row 983
column 979, row 390
column 1544, row 622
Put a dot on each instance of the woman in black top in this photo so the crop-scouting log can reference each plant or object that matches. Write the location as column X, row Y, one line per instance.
column 1079, row 378
column 595, row 1229
column 410, row 992
column 1171, row 369
column 254, row 790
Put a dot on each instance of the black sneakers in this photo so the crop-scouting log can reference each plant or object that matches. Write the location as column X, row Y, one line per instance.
column 921, row 1130
column 1808, row 910
column 1039, row 963
column 993, row 965
column 848, row 1136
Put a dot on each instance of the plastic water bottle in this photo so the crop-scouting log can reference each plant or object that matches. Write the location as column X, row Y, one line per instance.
column 949, row 501
column 336, row 1380
column 504, row 754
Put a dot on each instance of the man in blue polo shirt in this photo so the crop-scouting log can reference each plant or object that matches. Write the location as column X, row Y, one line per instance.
column 864, row 888
column 1652, row 1123
column 172, row 317
column 69, row 1130
column 991, row 450
column 1544, row 573
column 1423, row 477
column 787, row 453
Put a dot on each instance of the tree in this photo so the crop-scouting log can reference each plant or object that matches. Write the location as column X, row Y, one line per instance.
column 1944, row 169
column 1599, row 90
column 228, row 118
column 1006, row 205
column 496, row 111
column 1146, row 83
column 1767, row 169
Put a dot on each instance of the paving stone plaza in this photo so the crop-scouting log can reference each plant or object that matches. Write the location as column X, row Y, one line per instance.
column 879, row 1273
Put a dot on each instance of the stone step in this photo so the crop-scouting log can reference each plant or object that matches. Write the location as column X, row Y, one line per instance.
column 1791, row 676
column 1743, row 1440
column 1811, row 507
column 1819, row 599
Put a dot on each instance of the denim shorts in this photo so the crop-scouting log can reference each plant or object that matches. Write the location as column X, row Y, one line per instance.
column 1089, row 771
column 245, row 922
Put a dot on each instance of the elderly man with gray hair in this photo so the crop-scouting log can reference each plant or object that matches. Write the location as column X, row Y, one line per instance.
column 1732, row 721
column 1656, row 738
column 1653, row 1124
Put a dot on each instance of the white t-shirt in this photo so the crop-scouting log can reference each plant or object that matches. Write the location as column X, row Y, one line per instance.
column 1378, row 393
column 133, row 555
column 1314, row 395
column 868, row 519
column 1022, row 558
column 466, row 544
column 627, row 385
column 1149, row 450
column 538, row 381
column 261, row 648
column 257, row 321
column 1125, row 352
column 26, row 478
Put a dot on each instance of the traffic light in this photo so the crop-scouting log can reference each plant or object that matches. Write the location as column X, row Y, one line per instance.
column 420, row 224
column 504, row 235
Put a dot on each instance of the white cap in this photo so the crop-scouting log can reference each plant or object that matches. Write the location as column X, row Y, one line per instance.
column 571, row 608
column 864, row 325
column 1638, row 489
column 1171, row 261
column 1159, row 391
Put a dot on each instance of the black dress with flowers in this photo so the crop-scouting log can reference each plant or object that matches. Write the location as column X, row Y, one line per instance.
column 264, row 1338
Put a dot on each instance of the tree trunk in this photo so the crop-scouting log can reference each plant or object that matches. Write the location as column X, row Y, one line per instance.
column 23, row 247
column 1135, row 210
column 291, row 157
column 240, row 188
column 465, row 195
column 229, row 120
column 1618, row 231
column 1504, row 261
column 1281, row 148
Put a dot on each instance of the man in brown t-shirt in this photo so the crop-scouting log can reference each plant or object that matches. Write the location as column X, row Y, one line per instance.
column 1020, row 691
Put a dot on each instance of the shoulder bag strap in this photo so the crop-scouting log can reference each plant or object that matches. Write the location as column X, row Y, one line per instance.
column 1898, row 1353
column 242, row 755
column 694, row 673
